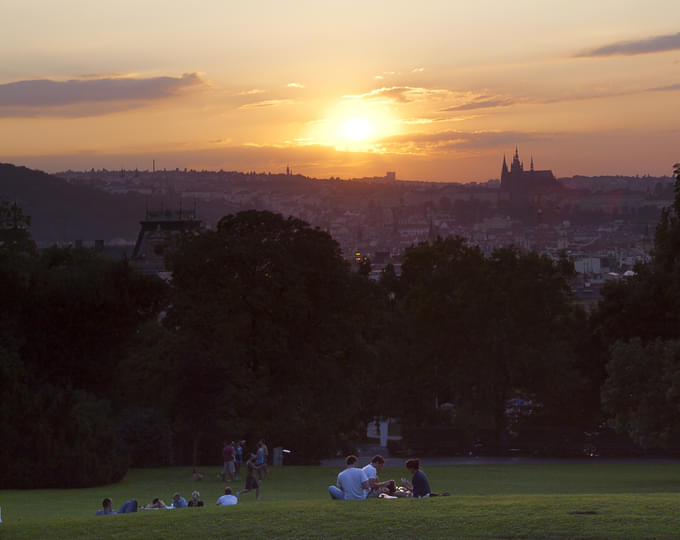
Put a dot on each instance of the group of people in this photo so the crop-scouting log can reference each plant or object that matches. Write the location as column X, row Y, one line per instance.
column 228, row 499
column 156, row 504
column 233, row 458
column 232, row 455
column 363, row 483
column 353, row 482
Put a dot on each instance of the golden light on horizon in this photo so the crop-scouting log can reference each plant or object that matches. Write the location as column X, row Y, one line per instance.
column 357, row 128
column 354, row 127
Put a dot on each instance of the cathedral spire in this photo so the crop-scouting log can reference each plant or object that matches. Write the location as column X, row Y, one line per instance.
column 532, row 162
column 516, row 164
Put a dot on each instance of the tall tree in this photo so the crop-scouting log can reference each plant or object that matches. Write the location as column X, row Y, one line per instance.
column 66, row 316
column 263, row 306
column 483, row 330
column 642, row 391
column 640, row 324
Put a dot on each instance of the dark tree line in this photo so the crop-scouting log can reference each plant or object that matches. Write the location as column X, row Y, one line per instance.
column 64, row 316
column 265, row 331
column 639, row 326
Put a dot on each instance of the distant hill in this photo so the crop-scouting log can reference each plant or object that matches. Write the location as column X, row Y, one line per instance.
column 63, row 212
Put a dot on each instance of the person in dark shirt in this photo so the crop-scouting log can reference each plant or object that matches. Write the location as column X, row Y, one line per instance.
column 419, row 485
column 195, row 500
column 251, row 481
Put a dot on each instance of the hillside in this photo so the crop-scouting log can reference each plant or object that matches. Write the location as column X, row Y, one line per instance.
column 62, row 212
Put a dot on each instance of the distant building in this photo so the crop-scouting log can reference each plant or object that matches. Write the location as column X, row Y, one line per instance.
column 524, row 186
column 390, row 176
column 158, row 232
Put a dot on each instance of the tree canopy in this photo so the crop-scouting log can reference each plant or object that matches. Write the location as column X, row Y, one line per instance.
column 66, row 315
column 263, row 307
column 640, row 327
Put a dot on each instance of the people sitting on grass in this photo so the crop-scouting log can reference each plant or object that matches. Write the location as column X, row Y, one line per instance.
column 195, row 500
column 227, row 499
column 352, row 482
column 251, row 481
column 419, row 484
column 375, row 487
column 178, row 501
column 155, row 504
column 107, row 507
column 196, row 476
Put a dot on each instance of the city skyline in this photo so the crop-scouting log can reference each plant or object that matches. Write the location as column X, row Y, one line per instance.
column 436, row 92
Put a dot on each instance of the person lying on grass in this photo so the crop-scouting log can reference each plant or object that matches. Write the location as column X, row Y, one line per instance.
column 178, row 501
column 251, row 481
column 107, row 507
column 156, row 504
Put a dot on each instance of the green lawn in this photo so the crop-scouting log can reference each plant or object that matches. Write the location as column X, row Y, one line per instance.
column 587, row 500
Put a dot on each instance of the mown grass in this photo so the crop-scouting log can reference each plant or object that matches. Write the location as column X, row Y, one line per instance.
column 587, row 500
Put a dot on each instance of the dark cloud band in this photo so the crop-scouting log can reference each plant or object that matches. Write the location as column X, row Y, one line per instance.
column 45, row 93
column 643, row 46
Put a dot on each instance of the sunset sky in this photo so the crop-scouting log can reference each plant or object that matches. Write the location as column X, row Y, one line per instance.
column 435, row 90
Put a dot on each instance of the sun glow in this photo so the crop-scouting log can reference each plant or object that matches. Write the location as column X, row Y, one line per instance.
column 353, row 127
column 357, row 128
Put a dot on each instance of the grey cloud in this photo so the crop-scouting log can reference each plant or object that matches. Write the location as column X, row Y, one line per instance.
column 654, row 44
column 665, row 88
column 80, row 110
column 21, row 97
column 483, row 102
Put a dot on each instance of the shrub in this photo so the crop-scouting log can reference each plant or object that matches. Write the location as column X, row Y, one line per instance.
column 58, row 438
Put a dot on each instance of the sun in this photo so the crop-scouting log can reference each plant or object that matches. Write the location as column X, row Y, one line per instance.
column 357, row 128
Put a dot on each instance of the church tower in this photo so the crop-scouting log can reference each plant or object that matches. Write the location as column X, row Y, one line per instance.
column 522, row 186
column 516, row 166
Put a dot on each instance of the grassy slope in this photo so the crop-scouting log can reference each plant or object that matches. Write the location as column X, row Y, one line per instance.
column 510, row 501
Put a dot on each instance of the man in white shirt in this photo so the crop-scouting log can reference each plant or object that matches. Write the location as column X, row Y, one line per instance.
column 371, row 470
column 352, row 482
column 227, row 499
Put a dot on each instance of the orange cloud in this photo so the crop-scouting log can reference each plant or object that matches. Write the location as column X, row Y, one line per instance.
column 399, row 94
column 443, row 141
column 267, row 103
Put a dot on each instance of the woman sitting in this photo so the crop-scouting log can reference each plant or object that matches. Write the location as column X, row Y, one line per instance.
column 419, row 485
column 195, row 499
